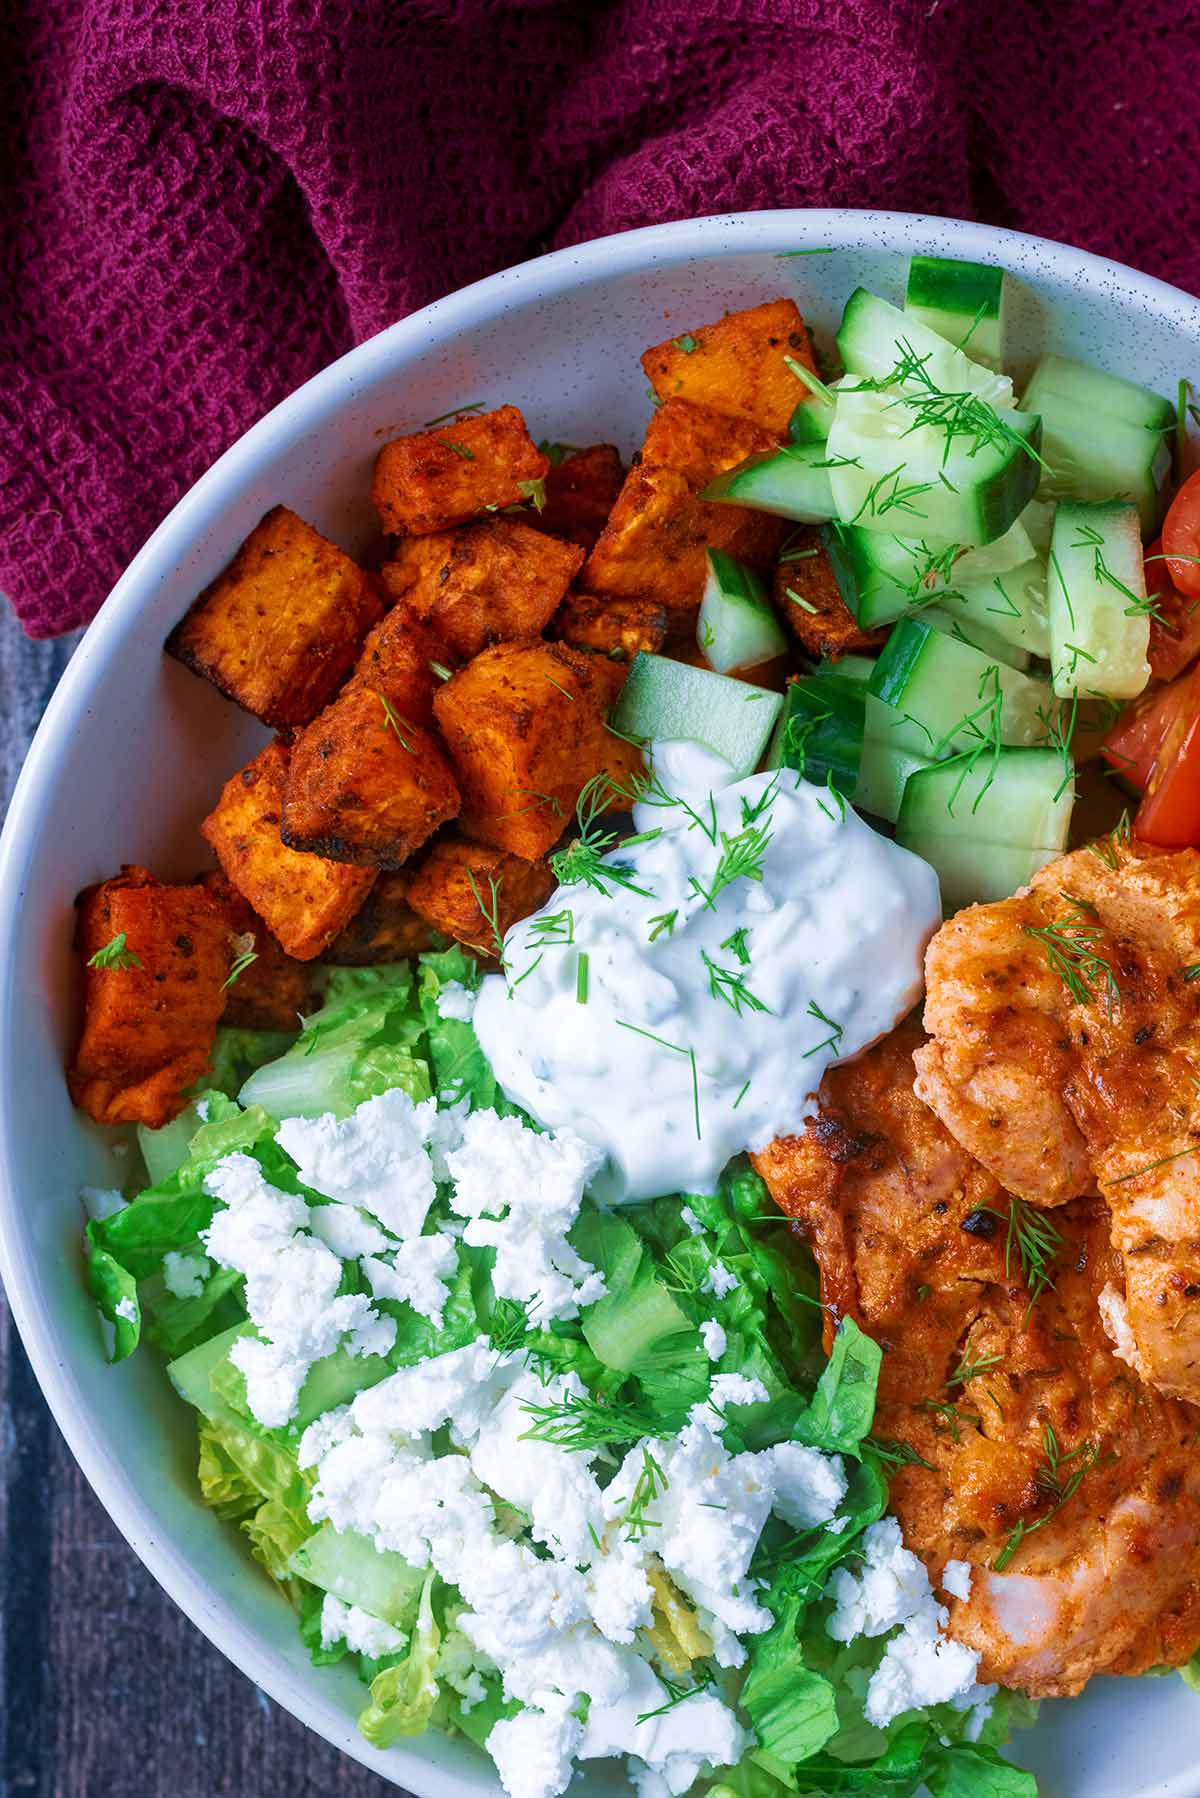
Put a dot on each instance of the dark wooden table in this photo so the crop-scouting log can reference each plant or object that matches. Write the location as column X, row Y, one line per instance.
column 105, row 1687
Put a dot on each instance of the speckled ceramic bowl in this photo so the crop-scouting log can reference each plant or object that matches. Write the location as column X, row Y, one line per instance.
column 133, row 749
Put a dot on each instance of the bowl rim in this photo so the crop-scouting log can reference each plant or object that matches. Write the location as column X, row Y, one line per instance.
column 542, row 278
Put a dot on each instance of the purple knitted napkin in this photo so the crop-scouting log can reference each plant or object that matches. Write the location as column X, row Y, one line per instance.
column 205, row 202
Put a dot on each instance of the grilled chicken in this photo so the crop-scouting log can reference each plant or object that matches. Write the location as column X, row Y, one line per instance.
column 1071, row 1488
column 1066, row 1058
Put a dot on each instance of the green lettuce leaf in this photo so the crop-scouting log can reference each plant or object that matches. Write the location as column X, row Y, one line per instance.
column 115, row 1291
column 970, row 1771
column 403, row 1696
column 175, row 1325
column 244, row 1473
column 237, row 1053
column 362, row 1042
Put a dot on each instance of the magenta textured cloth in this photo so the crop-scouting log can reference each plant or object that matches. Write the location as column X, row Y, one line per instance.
column 206, row 200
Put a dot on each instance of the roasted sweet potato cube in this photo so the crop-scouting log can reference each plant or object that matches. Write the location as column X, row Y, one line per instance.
column 436, row 479
column 385, row 929
column 401, row 657
column 269, row 992
column 365, row 784
column 494, row 582
column 653, row 546
column 810, row 601
column 281, row 628
column 738, row 365
column 155, row 962
column 581, row 491
column 454, row 875
column 304, row 900
column 524, row 725
column 612, row 627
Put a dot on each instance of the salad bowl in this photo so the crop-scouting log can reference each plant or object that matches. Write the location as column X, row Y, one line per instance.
column 131, row 749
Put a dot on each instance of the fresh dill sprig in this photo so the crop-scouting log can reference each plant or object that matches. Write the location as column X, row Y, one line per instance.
column 556, row 453
column 581, row 978
column 1010, row 609
column 650, row 1484
column 509, row 1324
column 115, row 955
column 687, row 343
column 742, row 858
column 244, row 956
column 889, row 493
column 458, row 412
column 1033, row 1242
column 1152, row 1165
column 736, row 945
column 663, row 924
column 1072, row 952
column 554, row 927
column 741, row 1095
column 1108, row 848
column 581, row 863
column 534, row 491
column 489, row 911
column 460, row 449
column 1053, row 1482
column 951, row 1414
column 833, row 1040
column 702, row 1676
column 814, row 383
column 676, row 1049
column 969, row 1368
column 798, row 599
column 392, row 722
column 894, row 1453
column 578, row 1420
column 1059, row 726
column 728, row 984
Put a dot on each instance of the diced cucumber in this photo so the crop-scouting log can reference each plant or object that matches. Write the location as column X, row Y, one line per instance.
column 966, row 629
column 811, row 420
column 963, row 485
column 165, row 1149
column 350, row 1566
column 858, row 669
column 1010, row 607
column 1102, row 436
column 964, row 302
column 875, row 337
column 1099, row 624
column 333, row 1381
column 946, row 692
column 1038, row 520
column 665, row 701
column 737, row 627
column 882, row 577
column 988, row 827
column 191, row 1375
column 791, row 482
column 886, row 761
column 820, row 730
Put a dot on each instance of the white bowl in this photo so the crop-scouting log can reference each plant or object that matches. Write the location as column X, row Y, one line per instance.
column 133, row 750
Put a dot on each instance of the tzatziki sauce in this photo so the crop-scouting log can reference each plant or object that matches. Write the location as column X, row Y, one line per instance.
column 684, row 1004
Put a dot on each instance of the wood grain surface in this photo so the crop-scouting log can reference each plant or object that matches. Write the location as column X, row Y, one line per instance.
column 105, row 1687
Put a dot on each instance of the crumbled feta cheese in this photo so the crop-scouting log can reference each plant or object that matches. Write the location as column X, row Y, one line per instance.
column 956, row 1579
column 375, row 1158
column 202, row 1110
column 101, row 1201
column 456, row 1001
column 291, row 1289
column 460, row 1665
column 416, row 1274
column 809, row 1486
column 346, row 1230
column 714, row 1338
column 184, row 1275
column 530, row 1616
column 553, row 1486
column 890, row 1588
column 920, row 1666
column 362, row 1633
column 459, row 1388
column 535, row 1751
column 323, row 1433
column 620, row 1597
column 719, row 1281
column 677, row 1743
column 125, row 1308
column 735, row 1389
column 540, row 1179
column 688, row 1216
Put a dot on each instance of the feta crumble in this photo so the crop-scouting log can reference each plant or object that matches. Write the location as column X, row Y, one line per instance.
column 125, row 1309
column 416, row 1274
column 719, row 1281
column 362, row 1633
column 713, row 1338
column 456, row 1001
column 184, row 1275
column 376, row 1158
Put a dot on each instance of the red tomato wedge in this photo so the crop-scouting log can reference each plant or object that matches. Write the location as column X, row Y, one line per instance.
column 1181, row 537
column 1174, row 622
column 1156, row 747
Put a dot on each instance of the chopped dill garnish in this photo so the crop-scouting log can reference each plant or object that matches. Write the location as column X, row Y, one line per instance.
column 1071, row 950
column 561, row 688
column 1033, row 1242
column 741, row 1096
column 556, row 453
column 969, row 1369
column 1108, row 848
column 580, row 1421
column 702, row 1677
column 892, row 1452
column 1152, row 1165
column 881, row 499
column 736, row 945
column 729, row 985
column 686, row 343
column 676, row 1049
column 814, row 383
column 458, row 412
column 534, row 491
column 555, row 927
column 650, row 1484
column 1191, row 972
column 460, row 449
column 581, row 978
column 391, row 722
column 581, row 863
column 1009, row 609
column 950, row 1414
column 798, row 599
column 1054, row 1483
column 742, row 858
column 440, row 669
column 833, row 1040
column 490, row 912
column 663, row 924
column 510, row 1322
column 246, row 953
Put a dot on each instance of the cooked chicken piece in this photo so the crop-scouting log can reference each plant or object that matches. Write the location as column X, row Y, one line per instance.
column 1072, row 1489
column 1066, row 1057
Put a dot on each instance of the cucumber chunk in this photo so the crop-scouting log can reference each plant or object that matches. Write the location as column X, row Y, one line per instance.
column 987, row 828
column 1099, row 625
column 979, row 635
column 881, row 578
column 353, row 1569
column 874, row 337
column 811, row 420
column 791, row 482
column 1009, row 608
column 1102, row 436
column 964, row 302
column 736, row 626
column 963, row 481
column 191, row 1375
column 820, row 730
column 886, row 761
column 947, row 693
column 666, row 701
